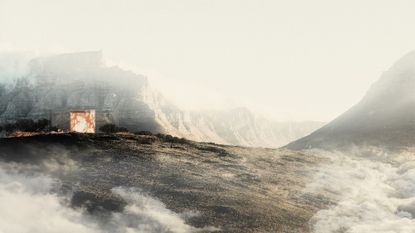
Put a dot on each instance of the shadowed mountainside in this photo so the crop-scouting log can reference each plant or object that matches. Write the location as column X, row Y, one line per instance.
column 384, row 118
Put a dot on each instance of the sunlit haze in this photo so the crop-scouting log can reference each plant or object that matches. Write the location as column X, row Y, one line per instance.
column 301, row 60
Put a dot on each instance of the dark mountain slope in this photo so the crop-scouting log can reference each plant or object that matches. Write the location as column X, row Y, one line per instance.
column 384, row 118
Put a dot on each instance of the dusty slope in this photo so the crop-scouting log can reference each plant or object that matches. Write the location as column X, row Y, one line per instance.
column 233, row 188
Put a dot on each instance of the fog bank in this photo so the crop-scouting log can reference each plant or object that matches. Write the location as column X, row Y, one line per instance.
column 30, row 202
column 372, row 193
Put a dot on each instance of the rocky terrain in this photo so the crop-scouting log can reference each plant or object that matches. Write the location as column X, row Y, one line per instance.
column 362, row 180
column 210, row 187
column 48, row 87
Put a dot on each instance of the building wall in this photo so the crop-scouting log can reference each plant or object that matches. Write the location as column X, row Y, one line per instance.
column 61, row 119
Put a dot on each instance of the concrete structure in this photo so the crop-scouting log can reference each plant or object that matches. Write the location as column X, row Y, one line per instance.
column 67, row 119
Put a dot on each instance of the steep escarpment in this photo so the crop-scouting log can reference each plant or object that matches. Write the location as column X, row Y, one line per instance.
column 78, row 81
column 239, row 126
column 49, row 87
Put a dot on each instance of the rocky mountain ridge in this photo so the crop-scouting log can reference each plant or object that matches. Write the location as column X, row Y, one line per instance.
column 55, row 84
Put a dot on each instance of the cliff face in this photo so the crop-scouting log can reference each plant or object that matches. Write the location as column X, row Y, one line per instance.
column 238, row 126
column 62, row 83
column 52, row 86
column 385, row 117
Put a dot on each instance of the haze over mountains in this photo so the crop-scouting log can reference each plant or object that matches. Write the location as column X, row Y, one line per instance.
column 385, row 117
column 43, row 86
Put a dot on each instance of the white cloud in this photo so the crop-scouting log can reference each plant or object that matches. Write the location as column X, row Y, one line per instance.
column 29, row 205
column 372, row 194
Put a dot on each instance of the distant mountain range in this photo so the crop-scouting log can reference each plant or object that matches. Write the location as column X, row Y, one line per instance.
column 385, row 117
column 49, row 86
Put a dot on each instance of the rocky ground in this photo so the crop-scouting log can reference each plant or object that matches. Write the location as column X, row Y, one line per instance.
column 233, row 189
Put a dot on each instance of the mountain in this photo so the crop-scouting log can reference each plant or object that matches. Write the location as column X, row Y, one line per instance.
column 238, row 126
column 49, row 87
column 385, row 117
column 54, row 85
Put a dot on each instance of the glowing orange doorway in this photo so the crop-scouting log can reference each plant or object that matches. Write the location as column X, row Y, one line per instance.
column 82, row 121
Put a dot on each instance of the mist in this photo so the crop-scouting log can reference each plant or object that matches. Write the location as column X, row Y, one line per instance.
column 209, row 115
column 265, row 55
column 31, row 202
column 371, row 191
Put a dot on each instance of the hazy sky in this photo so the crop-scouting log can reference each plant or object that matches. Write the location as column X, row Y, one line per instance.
column 288, row 59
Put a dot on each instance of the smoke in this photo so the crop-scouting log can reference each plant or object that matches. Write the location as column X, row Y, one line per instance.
column 146, row 214
column 30, row 203
column 14, row 65
column 27, row 205
column 372, row 193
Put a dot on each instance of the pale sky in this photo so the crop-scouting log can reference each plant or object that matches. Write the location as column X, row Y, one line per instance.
column 301, row 60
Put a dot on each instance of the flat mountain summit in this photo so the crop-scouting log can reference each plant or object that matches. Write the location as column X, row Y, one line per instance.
column 46, row 87
column 385, row 117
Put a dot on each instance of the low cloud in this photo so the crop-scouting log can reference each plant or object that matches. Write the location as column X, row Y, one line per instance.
column 29, row 204
column 146, row 214
column 372, row 193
